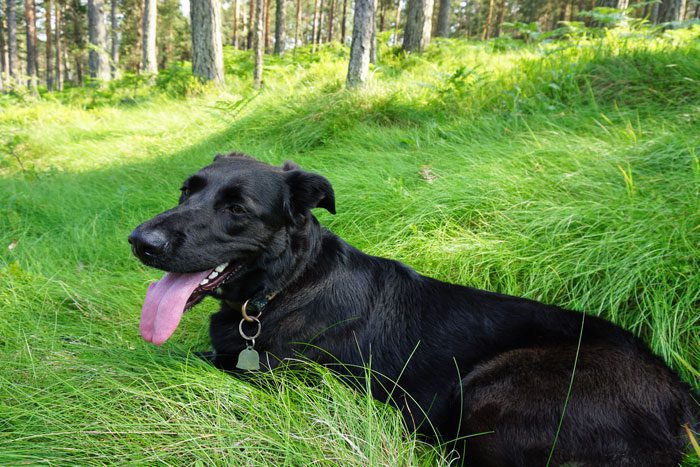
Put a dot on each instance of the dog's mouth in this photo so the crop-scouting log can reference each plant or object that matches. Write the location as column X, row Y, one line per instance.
column 168, row 299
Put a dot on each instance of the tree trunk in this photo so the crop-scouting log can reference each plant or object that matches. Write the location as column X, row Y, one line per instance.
column 419, row 21
column 243, row 29
column 396, row 22
column 234, row 39
column 49, row 46
column 500, row 12
column 487, row 27
column 443, row 23
column 358, row 68
column 59, row 45
column 77, row 39
column 12, row 58
column 258, row 43
column 30, row 18
column 373, row 42
column 207, row 54
column 98, row 62
column 268, row 34
column 251, row 24
column 150, row 18
column 319, row 34
column 314, row 29
column 296, row 27
column 3, row 54
column 343, row 30
column 279, row 28
column 382, row 13
column 331, row 14
column 114, row 65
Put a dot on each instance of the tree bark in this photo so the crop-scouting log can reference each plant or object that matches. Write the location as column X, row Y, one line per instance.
column 207, row 54
column 319, row 34
column 234, row 39
column 343, row 30
column 3, row 53
column 314, row 29
column 382, row 14
column 59, row 45
column 358, row 67
column 500, row 12
column 397, row 20
column 30, row 18
column 251, row 24
column 486, row 34
column 12, row 58
column 373, row 42
column 150, row 18
column 267, row 26
column 419, row 21
column 279, row 28
column 49, row 46
column 98, row 61
column 443, row 23
column 296, row 27
column 114, row 65
column 258, row 43
column 331, row 14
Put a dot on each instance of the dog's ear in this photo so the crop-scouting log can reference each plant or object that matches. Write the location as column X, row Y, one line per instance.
column 307, row 191
column 289, row 165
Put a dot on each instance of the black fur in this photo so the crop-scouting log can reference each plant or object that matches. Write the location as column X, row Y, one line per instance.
column 480, row 362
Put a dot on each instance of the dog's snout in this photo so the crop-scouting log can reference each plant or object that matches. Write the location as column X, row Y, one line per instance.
column 147, row 243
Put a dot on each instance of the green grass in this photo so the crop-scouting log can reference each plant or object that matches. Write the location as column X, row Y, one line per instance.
column 567, row 173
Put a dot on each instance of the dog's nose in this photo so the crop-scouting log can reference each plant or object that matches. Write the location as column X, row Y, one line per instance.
column 147, row 243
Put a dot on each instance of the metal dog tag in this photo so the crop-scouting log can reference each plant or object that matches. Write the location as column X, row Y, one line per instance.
column 248, row 359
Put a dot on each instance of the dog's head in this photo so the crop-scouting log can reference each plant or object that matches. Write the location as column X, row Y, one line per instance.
column 234, row 217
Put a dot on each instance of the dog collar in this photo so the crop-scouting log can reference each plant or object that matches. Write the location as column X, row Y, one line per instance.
column 249, row 359
column 255, row 304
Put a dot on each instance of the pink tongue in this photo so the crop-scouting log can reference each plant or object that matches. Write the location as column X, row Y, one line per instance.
column 165, row 303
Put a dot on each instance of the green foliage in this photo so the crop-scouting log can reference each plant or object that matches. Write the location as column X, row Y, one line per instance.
column 565, row 171
column 177, row 81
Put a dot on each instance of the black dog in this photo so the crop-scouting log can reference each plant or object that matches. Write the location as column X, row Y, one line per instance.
column 455, row 360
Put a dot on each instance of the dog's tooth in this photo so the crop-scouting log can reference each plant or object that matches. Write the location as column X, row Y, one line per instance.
column 221, row 267
column 204, row 282
column 213, row 275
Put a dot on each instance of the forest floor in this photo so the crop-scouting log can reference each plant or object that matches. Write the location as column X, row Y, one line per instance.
column 567, row 172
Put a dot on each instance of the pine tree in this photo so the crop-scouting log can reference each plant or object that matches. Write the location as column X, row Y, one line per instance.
column 279, row 28
column 207, row 54
column 98, row 59
column 258, row 43
column 358, row 67
column 49, row 46
column 150, row 18
column 419, row 14
column 443, row 23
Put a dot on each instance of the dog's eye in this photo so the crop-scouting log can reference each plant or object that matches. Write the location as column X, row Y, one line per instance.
column 185, row 191
column 237, row 209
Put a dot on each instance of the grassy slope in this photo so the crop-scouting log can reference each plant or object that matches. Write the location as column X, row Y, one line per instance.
column 565, row 174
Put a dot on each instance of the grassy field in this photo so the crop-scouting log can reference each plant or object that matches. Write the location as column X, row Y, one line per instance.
column 567, row 173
